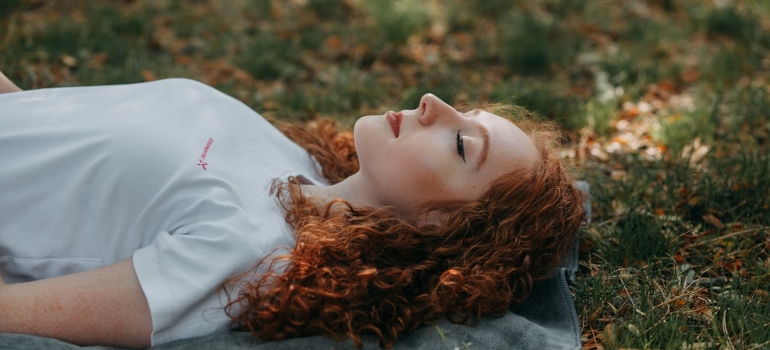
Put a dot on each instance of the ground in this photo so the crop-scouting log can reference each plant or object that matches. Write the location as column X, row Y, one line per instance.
column 664, row 105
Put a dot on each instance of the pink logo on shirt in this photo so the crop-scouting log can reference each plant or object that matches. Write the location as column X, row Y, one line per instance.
column 202, row 160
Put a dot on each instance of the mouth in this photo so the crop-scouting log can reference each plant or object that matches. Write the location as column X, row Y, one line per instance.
column 394, row 119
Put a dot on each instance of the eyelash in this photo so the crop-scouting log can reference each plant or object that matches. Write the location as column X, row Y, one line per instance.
column 460, row 146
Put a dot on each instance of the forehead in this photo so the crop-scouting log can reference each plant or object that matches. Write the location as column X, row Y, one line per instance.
column 510, row 147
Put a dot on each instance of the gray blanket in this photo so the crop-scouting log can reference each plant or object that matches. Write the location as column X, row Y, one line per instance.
column 547, row 320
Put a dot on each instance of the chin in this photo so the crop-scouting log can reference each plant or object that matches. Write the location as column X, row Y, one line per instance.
column 362, row 136
column 370, row 128
column 371, row 137
column 359, row 129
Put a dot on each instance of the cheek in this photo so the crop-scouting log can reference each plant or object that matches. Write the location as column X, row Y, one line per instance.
column 412, row 172
column 423, row 176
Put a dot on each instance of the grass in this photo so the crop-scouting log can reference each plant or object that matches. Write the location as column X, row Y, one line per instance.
column 665, row 106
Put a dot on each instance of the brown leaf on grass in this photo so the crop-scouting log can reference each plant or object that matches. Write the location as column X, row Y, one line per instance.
column 731, row 265
column 629, row 113
column 334, row 42
column 592, row 339
column 618, row 208
column 690, row 75
column 711, row 219
column 592, row 317
column 183, row 60
column 706, row 312
column 97, row 61
column 68, row 60
column 276, row 12
column 699, row 235
column 739, row 186
column 699, row 345
column 610, row 336
column 148, row 76
column 593, row 345
column 701, row 304
column 618, row 175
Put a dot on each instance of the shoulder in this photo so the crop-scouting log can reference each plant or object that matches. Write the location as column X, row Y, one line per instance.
column 176, row 87
column 182, row 84
column 102, row 96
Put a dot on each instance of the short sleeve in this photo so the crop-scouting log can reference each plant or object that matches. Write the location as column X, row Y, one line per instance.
column 181, row 273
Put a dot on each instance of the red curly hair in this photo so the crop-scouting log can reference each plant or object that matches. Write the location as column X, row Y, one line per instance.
column 367, row 271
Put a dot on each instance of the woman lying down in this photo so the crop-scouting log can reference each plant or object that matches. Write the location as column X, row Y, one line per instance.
column 134, row 215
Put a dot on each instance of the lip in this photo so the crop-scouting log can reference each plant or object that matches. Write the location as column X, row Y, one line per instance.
column 394, row 119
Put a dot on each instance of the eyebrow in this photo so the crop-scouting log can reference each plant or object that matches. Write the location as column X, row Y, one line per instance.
column 484, row 147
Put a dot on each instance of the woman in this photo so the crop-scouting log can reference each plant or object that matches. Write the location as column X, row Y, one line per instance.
column 128, row 210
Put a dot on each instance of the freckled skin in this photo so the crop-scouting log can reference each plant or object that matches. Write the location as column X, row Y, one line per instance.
column 105, row 306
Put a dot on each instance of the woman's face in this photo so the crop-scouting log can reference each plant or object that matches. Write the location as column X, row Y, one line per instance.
column 436, row 153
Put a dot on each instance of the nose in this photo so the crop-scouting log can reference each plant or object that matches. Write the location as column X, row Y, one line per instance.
column 432, row 109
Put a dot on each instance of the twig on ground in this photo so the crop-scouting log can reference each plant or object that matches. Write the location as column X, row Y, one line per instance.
column 729, row 344
column 729, row 235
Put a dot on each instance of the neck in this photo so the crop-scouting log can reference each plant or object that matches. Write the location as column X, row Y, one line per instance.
column 352, row 190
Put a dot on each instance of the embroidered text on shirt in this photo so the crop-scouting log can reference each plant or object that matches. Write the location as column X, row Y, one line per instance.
column 202, row 160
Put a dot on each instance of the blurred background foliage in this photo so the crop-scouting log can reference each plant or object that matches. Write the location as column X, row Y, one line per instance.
column 664, row 104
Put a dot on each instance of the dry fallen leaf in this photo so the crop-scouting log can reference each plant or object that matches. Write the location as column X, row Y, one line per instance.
column 68, row 60
column 610, row 337
column 711, row 219
column 148, row 76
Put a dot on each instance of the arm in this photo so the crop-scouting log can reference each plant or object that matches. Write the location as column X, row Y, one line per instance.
column 6, row 85
column 105, row 306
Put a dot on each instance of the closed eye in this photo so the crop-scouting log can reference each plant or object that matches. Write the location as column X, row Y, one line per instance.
column 460, row 146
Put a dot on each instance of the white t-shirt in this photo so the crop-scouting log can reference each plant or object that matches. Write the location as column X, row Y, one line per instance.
column 173, row 173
